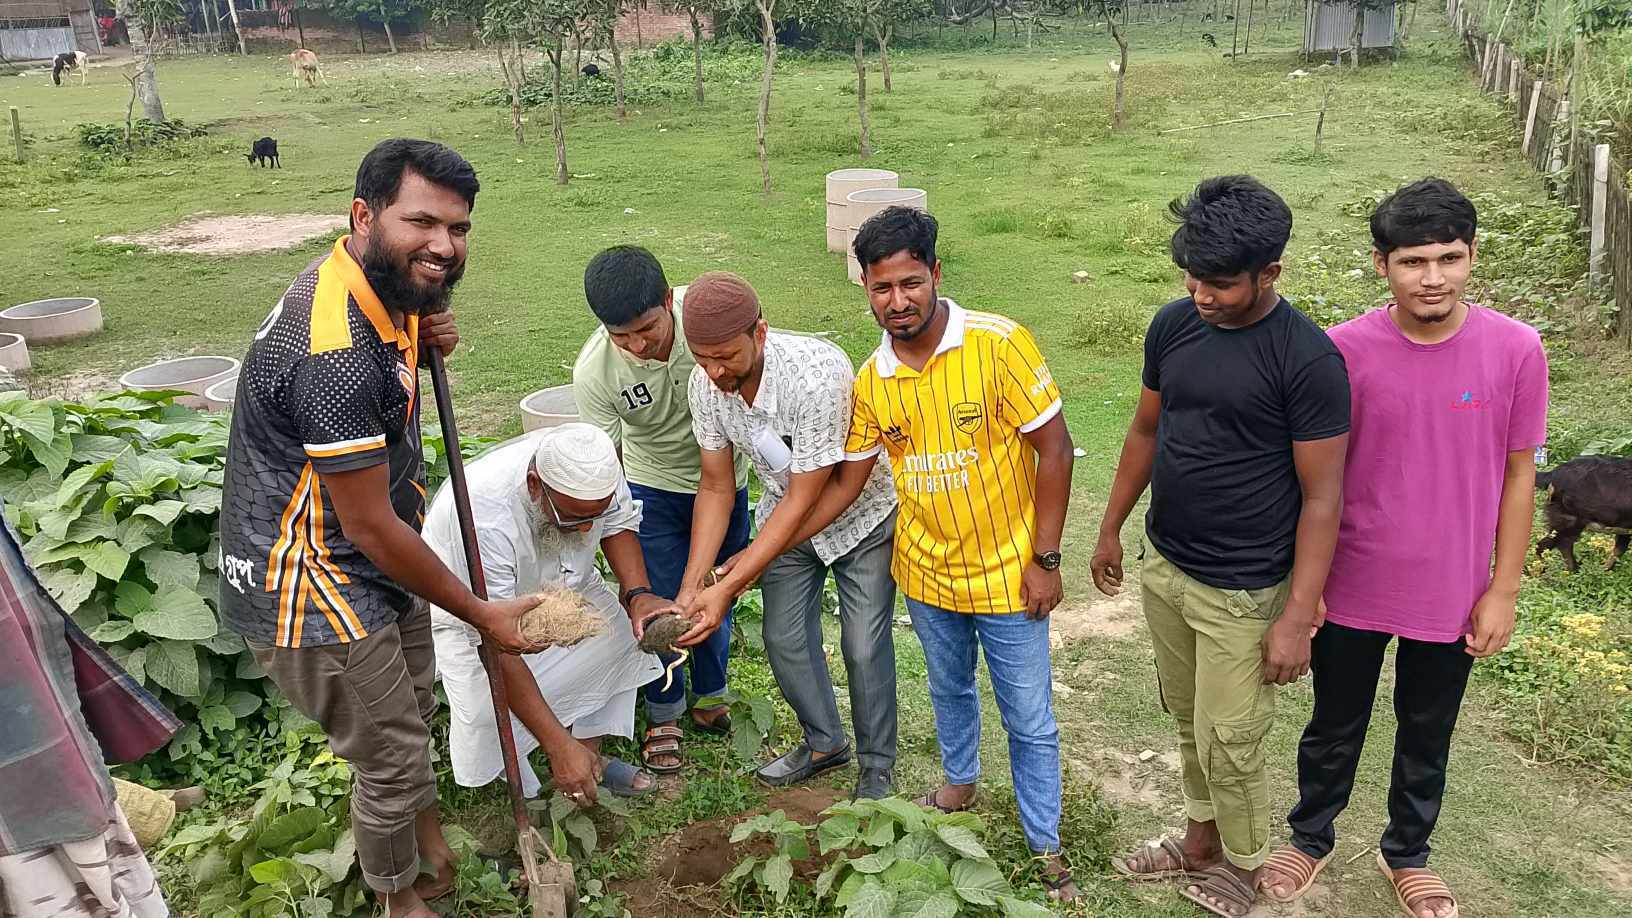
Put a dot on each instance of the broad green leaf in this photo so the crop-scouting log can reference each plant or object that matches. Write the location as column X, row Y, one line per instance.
column 904, row 874
column 742, row 831
column 172, row 567
column 226, row 643
column 131, row 599
column 847, row 890
column 836, row 832
column 962, row 841
column 242, row 704
column 249, row 667
column 165, row 511
column 910, row 815
column 778, row 876
column 880, row 832
column 79, row 478
column 874, row 862
column 71, row 588
column 216, row 718
column 135, row 663
column 614, row 804
column 741, row 870
column 764, row 713
column 920, row 843
column 192, row 835
column 1019, row 908
column 111, row 632
column 321, row 839
column 962, row 818
column 29, row 417
column 206, row 499
column 289, row 828
column 277, row 870
column 342, row 857
column 56, row 522
column 872, row 900
column 745, row 741
column 824, row 880
column 178, row 614
column 209, row 867
column 53, row 453
column 97, row 447
column 138, row 532
column 978, row 882
column 108, row 559
column 173, row 665
column 90, row 526
column 918, row 903
column 581, row 827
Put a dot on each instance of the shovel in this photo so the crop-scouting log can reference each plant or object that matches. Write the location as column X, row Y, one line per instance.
column 551, row 887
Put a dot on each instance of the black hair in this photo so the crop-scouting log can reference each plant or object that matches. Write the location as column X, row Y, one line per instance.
column 1229, row 224
column 896, row 229
column 1424, row 212
column 623, row 283
column 379, row 178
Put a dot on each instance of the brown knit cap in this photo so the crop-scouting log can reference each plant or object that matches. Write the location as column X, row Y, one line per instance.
column 718, row 306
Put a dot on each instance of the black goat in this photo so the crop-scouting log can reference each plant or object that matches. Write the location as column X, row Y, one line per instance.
column 592, row 71
column 265, row 152
column 1587, row 491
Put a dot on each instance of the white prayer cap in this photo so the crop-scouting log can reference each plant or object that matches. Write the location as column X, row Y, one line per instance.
column 577, row 460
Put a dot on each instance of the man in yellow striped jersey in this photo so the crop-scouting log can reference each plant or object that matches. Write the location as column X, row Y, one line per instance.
column 321, row 558
column 970, row 418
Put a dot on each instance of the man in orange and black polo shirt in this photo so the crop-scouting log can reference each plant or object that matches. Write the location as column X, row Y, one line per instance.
column 321, row 558
column 965, row 410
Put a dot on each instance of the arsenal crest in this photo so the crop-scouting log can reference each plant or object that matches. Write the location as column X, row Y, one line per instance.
column 967, row 416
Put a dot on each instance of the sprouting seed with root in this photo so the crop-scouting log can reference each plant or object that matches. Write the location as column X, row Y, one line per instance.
column 659, row 637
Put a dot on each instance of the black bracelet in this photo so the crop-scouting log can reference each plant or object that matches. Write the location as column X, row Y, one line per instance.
column 632, row 592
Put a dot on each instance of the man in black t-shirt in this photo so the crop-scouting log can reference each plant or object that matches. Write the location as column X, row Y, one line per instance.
column 325, row 491
column 1240, row 432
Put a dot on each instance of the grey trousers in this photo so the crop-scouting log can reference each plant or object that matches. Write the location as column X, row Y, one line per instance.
column 792, row 590
column 373, row 699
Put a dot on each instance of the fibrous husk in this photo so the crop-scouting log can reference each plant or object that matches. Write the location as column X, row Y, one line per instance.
column 662, row 631
column 560, row 619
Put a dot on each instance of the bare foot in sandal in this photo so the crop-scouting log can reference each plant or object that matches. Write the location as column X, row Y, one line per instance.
column 1289, row 872
column 1224, row 890
column 1420, row 891
column 1167, row 858
column 1062, row 887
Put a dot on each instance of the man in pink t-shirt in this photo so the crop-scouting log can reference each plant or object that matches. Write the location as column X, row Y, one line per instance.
column 1449, row 409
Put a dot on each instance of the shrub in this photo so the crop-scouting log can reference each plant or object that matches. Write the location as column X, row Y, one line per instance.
column 109, row 138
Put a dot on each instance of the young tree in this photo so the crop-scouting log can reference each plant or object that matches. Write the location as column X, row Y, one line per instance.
column 546, row 23
column 147, row 80
column 606, row 23
column 767, row 10
column 890, row 14
column 1108, row 7
column 696, row 11
column 382, row 11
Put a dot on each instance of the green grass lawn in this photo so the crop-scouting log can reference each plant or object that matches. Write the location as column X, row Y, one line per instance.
column 1030, row 185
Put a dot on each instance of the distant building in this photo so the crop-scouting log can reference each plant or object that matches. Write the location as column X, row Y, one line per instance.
column 33, row 30
column 1329, row 27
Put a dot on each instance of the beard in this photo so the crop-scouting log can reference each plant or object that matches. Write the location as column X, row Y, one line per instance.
column 908, row 334
column 390, row 274
column 550, row 539
column 1434, row 318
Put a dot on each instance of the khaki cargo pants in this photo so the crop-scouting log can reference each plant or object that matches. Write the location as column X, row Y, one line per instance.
column 373, row 698
column 1209, row 659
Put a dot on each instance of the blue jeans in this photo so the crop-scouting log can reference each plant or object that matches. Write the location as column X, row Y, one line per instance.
column 1017, row 658
column 665, row 541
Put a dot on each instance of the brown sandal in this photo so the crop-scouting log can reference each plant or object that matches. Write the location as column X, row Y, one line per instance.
column 664, row 740
column 1294, row 865
column 1413, row 888
column 1126, row 868
column 932, row 800
column 1224, row 885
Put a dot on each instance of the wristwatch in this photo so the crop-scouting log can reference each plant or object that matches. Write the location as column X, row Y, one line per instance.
column 632, row 592
column 1048, row 560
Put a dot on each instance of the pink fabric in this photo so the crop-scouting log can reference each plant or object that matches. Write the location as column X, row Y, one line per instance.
column 1432, row 427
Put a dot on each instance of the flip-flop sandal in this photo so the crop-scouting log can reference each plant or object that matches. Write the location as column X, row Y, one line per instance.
column 661, row 741
column 1058, row 882
column 1412, row 888
column 931, row 800
column 1221, row 883
column 1296, row 866
column 619, row 777
column 720, row 725
column 1125, row 869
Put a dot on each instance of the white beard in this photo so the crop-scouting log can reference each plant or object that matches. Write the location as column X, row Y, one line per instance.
column 550, row 540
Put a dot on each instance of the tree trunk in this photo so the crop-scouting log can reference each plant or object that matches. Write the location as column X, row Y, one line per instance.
column 884, row 52
column 1359, row 36
column 299, row 29
column 617, row 69
column 557, row 57
column 362, row 46
column 147, row 80
column 512, row 82
column 385, row 20
column 768, row 26
column 994, row 25
column 1247, row 49
column 1121, row 71
column 232, row 7
column 861, row 93
column 578, row 54
column 640, row 42
column 1235, row 37
column 696, row 47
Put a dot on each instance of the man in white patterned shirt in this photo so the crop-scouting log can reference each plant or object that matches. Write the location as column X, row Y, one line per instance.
column 784, row 400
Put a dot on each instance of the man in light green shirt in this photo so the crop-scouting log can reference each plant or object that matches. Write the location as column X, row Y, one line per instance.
column 630, row 380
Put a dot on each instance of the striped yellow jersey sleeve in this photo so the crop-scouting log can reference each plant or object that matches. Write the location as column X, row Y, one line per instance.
column 864, row 439
column 1030, row 397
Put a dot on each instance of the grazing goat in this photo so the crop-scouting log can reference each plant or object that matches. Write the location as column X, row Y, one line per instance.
column 265, row 152
column 1587, row 491
column 69, row 61
column 592, row 71
column 305, row 66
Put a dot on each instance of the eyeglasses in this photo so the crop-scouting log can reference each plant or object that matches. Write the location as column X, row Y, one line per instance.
column 570, row 523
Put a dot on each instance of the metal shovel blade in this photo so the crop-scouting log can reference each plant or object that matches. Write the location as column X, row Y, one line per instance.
column 552, row 890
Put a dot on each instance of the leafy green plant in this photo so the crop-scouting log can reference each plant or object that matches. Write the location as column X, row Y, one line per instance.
column 884, row 857
column 109, row 138
column 753, row 719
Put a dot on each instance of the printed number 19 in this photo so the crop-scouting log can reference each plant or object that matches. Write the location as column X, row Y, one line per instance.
column 637, row 397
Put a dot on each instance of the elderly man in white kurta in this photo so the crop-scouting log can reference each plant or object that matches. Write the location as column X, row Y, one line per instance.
column 543, row 503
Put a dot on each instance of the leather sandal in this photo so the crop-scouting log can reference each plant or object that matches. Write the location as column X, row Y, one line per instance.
column 1294, row 865
column 1137, row 864
column 664, row 740
column 1220, row 891
column 1412, row 888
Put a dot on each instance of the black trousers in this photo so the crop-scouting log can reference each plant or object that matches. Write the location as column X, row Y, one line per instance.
column 1429, row 682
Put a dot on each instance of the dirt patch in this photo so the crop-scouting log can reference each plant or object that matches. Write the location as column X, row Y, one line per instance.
column 236, row 234
column 1113, row 617
column 1616, row 872
column 690, row 862
column 78, row 386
